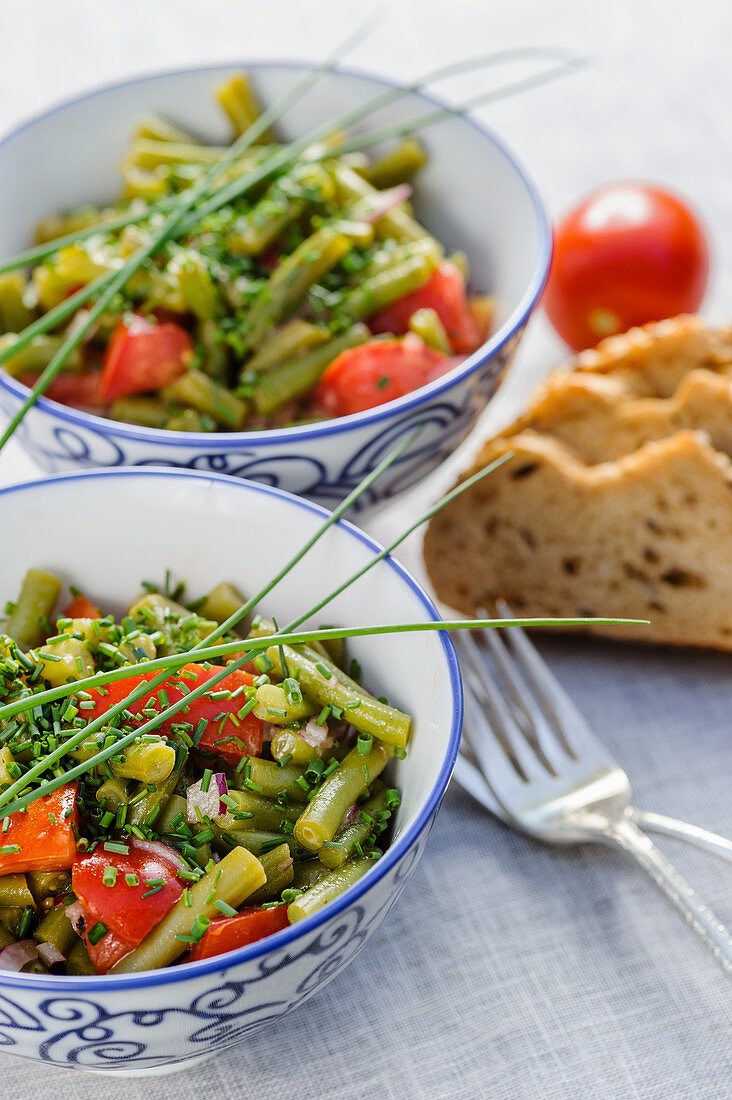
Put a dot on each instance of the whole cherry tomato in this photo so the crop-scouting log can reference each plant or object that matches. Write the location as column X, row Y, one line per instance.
column 628, row 254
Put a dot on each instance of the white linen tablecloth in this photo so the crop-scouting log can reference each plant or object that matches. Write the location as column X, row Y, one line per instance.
column 507, row 970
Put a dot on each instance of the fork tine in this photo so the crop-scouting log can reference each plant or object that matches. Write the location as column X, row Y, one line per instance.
column 571, row 723
column 505, row 727
column 547, row 741
column 491, row 756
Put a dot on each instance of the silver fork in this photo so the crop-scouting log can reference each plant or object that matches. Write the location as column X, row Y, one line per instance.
column 551, row 776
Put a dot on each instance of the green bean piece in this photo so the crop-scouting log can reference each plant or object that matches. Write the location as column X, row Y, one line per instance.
column 6, row 938
column 146, row 411
column 150, row 153
column 335, row 650
column 197, row 389
column 346, row 841
column 483, row 308
column 215, row 350
column 113, row 794
column 377, row 291
column 160, row 129
column 321, row 818
column 147, row 809
column 59, row 225
column 253, row 811
column 232, row 880
column 462, row 263
column 278, row 867
column 282, row 204
column 327, row 889
column 361, row 710
column 10, row 918
column 171, row 811
column 78, row 963
column 56, row 929
column 254, row 840
column 427, row 325
column 306, row 874
column 6, row 759
column 186, row 420
column 138, row 183
column 221, row 602
column 390, row 254
column 14, row 891
column 47, row 884
column 66, row 660
column 237, row 97
column 196, row 285
column 288, row 743
column 35, row 966
column 396, row 223
column 34, row 608
column 15, row 315
column 36, row 355
column 291, row 279
column 293, row 338
column 297, row 376
column 273, row 705
column 156, row 610
column 274, row 780
column 148, row 761
column 398, row 166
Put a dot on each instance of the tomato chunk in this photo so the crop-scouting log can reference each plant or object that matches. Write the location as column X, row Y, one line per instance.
column 41, row 838
column 228, row 733
column 246, row 927
column 372, row 374
column 81, row 608
column 143, row 356
column 140, row 889
column 444, row 292
column 77, row 390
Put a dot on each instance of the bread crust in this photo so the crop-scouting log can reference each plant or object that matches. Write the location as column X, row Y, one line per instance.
column 614, row 503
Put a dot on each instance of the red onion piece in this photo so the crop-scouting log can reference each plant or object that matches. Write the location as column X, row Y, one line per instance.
column 50, row 954
column 316, row 736
column 386, row 201
column 75, row 913
column 350, row 815
column 208, row 802
column 16, row 955
column 163, row 851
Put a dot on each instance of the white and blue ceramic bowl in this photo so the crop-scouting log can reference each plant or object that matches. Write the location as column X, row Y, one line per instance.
column 206, row 528
column 472, row 195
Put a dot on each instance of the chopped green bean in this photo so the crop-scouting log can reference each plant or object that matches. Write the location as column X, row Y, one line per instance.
column 14, row 891
column 427, row 325
column 278, row 867
column 197, row 389
column 232, row 880
column 323, row 815
column 398, row 166
column 34, row 608
column 295, row 377
column 327, row 889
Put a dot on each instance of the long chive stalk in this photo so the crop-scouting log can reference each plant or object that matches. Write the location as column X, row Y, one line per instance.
column 256, row 645
column 40, row 252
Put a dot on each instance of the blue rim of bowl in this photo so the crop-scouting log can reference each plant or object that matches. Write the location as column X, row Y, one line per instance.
column 393, row 854
column 225, row 440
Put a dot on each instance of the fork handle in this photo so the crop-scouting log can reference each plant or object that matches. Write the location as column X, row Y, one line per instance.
column 700, row 919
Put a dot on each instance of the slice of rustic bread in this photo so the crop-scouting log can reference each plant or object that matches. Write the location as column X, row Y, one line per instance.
column 645, row 536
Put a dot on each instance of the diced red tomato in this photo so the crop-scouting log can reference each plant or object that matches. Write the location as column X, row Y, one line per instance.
column 43, row 834
column 444, row 292
column 81, row 608
column 246, row 927
column 77, row 390
column 125, row 910
column 372, row 374
column 143, row 356
column 218, row 737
